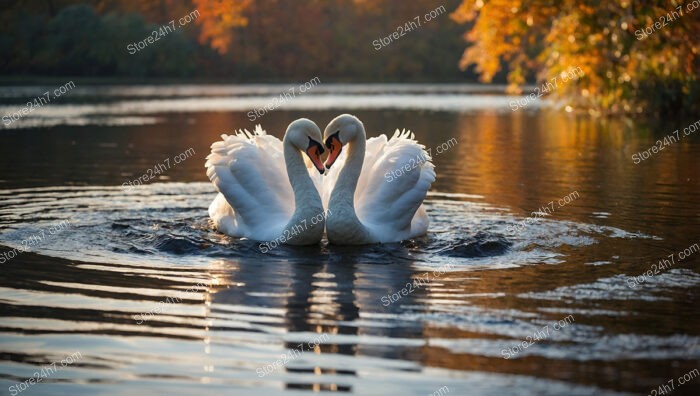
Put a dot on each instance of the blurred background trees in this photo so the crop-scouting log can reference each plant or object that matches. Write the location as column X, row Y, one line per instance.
column 521, row 42
column 625, row 71
column 240, row 40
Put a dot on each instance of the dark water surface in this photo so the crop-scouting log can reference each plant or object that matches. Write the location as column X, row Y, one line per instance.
column 133, row 286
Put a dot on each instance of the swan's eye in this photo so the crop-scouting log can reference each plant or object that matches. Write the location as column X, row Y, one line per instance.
column 315, row 145
column 330, row 143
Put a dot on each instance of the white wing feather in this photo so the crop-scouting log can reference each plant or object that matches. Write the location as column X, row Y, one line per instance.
column 396, row 176
column 255, row 198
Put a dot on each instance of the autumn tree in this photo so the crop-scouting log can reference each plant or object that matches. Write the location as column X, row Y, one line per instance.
column 624, row 69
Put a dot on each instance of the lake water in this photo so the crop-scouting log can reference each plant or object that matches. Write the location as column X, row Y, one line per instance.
column 527, row 283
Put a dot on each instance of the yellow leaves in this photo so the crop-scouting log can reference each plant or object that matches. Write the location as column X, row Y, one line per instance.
column 488, row 65
column 494, row 35
column 568, row 34
column 465, row 12
column 516, row 77
column 217, row 20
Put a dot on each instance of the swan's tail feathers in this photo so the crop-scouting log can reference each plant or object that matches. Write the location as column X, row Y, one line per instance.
column 239, row 136
column 245, row 133
column 404, row 134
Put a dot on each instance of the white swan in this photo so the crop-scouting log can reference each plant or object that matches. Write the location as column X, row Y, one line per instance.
column 375, row 196
column 255, row 200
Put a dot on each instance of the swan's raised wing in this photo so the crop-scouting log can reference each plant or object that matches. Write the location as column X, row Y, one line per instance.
column 248, row 169
column 396, row 176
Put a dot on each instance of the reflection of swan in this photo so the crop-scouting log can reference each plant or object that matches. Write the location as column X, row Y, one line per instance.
column 383, row 203
column 255, row 201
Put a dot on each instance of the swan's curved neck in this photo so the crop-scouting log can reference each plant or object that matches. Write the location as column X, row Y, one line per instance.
column 344, row 190
column 343, row 225
column 306, row 196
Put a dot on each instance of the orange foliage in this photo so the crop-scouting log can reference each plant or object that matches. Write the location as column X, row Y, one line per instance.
column 217, row 19
column 622, row 73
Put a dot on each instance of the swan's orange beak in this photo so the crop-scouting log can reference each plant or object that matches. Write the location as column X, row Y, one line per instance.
column 314, row 152
column 335, row 146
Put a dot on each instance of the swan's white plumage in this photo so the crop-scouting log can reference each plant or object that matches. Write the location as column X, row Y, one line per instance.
column 255, row 197
column 396, row 176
